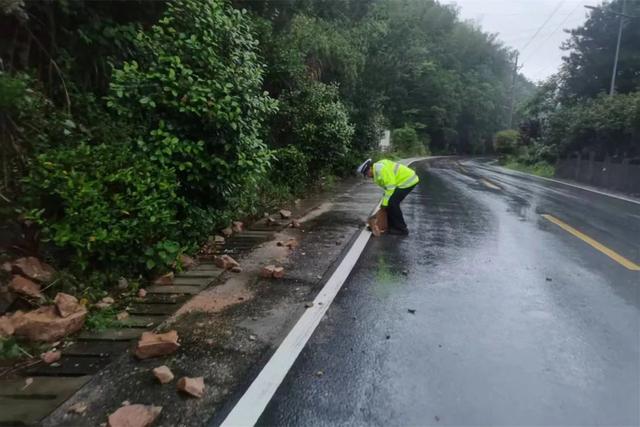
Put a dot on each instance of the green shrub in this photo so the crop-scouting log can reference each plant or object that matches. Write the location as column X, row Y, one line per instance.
column 107, row 205
column 506, row 141
column 289, row 170
column 195, row 97
column 319, row 124
column 405, row 142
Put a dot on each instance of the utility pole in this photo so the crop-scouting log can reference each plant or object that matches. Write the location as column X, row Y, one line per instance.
column 612, row 89
column 513, row 89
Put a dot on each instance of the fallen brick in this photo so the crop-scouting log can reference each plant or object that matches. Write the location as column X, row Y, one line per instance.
column 192, row 386
column 44, row 324
column 51, row 356
column 66, row 304
column 163, row 374
column 25, row 287
column 34, row 269
column 134, row 416
column 154, row 345
column 267, row 271
column 225, row 262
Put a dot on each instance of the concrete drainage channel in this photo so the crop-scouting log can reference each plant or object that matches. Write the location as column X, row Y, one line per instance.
column 92, row 351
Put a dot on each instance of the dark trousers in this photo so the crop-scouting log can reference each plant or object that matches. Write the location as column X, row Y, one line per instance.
column 394, row 213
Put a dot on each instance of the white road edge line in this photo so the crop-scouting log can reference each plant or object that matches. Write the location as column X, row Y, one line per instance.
column 506, row 171
column 253, row 402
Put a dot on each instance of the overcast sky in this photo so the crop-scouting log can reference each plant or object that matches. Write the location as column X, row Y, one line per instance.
column 517, row 21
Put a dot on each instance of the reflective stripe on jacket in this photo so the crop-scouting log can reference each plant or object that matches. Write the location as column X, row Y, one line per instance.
column 391, row 175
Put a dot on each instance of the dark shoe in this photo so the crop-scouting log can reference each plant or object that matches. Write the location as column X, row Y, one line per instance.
column 398, row 232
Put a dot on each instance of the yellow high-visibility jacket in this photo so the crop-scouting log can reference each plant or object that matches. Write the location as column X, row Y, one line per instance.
column 391, row 175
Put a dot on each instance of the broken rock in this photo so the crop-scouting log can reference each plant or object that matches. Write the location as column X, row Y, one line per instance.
column 44, row 324
column 165, row 279
column 154, row 345
column 25, row 287
column 51, row 356
column 78, row 408
column 123, row 315
column 34, row 269
column 267, row 271
column 163, row 374
column 142, row 293
column 294, row 223
column 236, row 269
column 225, row 262
column 218, row 240
column 134, row 416
column 123, row 283
column 278, row 272
column 237, row 226
column 285, row 214
column 191, row 386
column 66, row 304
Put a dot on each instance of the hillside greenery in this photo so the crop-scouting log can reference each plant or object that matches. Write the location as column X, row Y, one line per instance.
column 131, row 131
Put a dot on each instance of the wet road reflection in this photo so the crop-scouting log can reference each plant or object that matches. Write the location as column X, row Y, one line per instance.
column 516, row 322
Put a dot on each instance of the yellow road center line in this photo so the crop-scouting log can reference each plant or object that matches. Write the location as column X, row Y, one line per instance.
column 597, row 245
column 490, row 184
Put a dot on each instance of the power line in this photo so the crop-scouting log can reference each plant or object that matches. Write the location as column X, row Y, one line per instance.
column 543, row 25
column 566, row 18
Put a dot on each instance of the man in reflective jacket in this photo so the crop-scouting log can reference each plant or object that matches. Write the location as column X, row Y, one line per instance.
column 397, row 180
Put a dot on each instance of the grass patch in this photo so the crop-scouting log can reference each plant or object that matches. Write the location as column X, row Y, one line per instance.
column 98, row 320
column 542, row 169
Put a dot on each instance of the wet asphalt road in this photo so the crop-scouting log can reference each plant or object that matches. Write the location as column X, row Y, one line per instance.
column 517, row 322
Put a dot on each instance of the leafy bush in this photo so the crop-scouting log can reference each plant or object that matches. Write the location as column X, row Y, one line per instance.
column 405, row 142
column 505, row 141
column 289, row 170
column 196, row 100
column 105, row 204
column 319, row 124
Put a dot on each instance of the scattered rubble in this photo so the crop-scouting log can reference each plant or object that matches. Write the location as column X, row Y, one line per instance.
column 225, row 262
column 25, row 287
column 163, row 374
column 218, row 240
column 192, row 386
column 154, row 345
column 134, row 416
column 236, row 269
column 165, row 279
column 123, row 315
column 51, row 357
column 267, row 271
column 252, row 337
column 237, row 226
column 66, row 304
column 142, row 293
column 285, row 214
column 308, row 305
column 278, row 272
column 294, row 224
column 34, row 269
column 78, row 408
column 44, row 324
